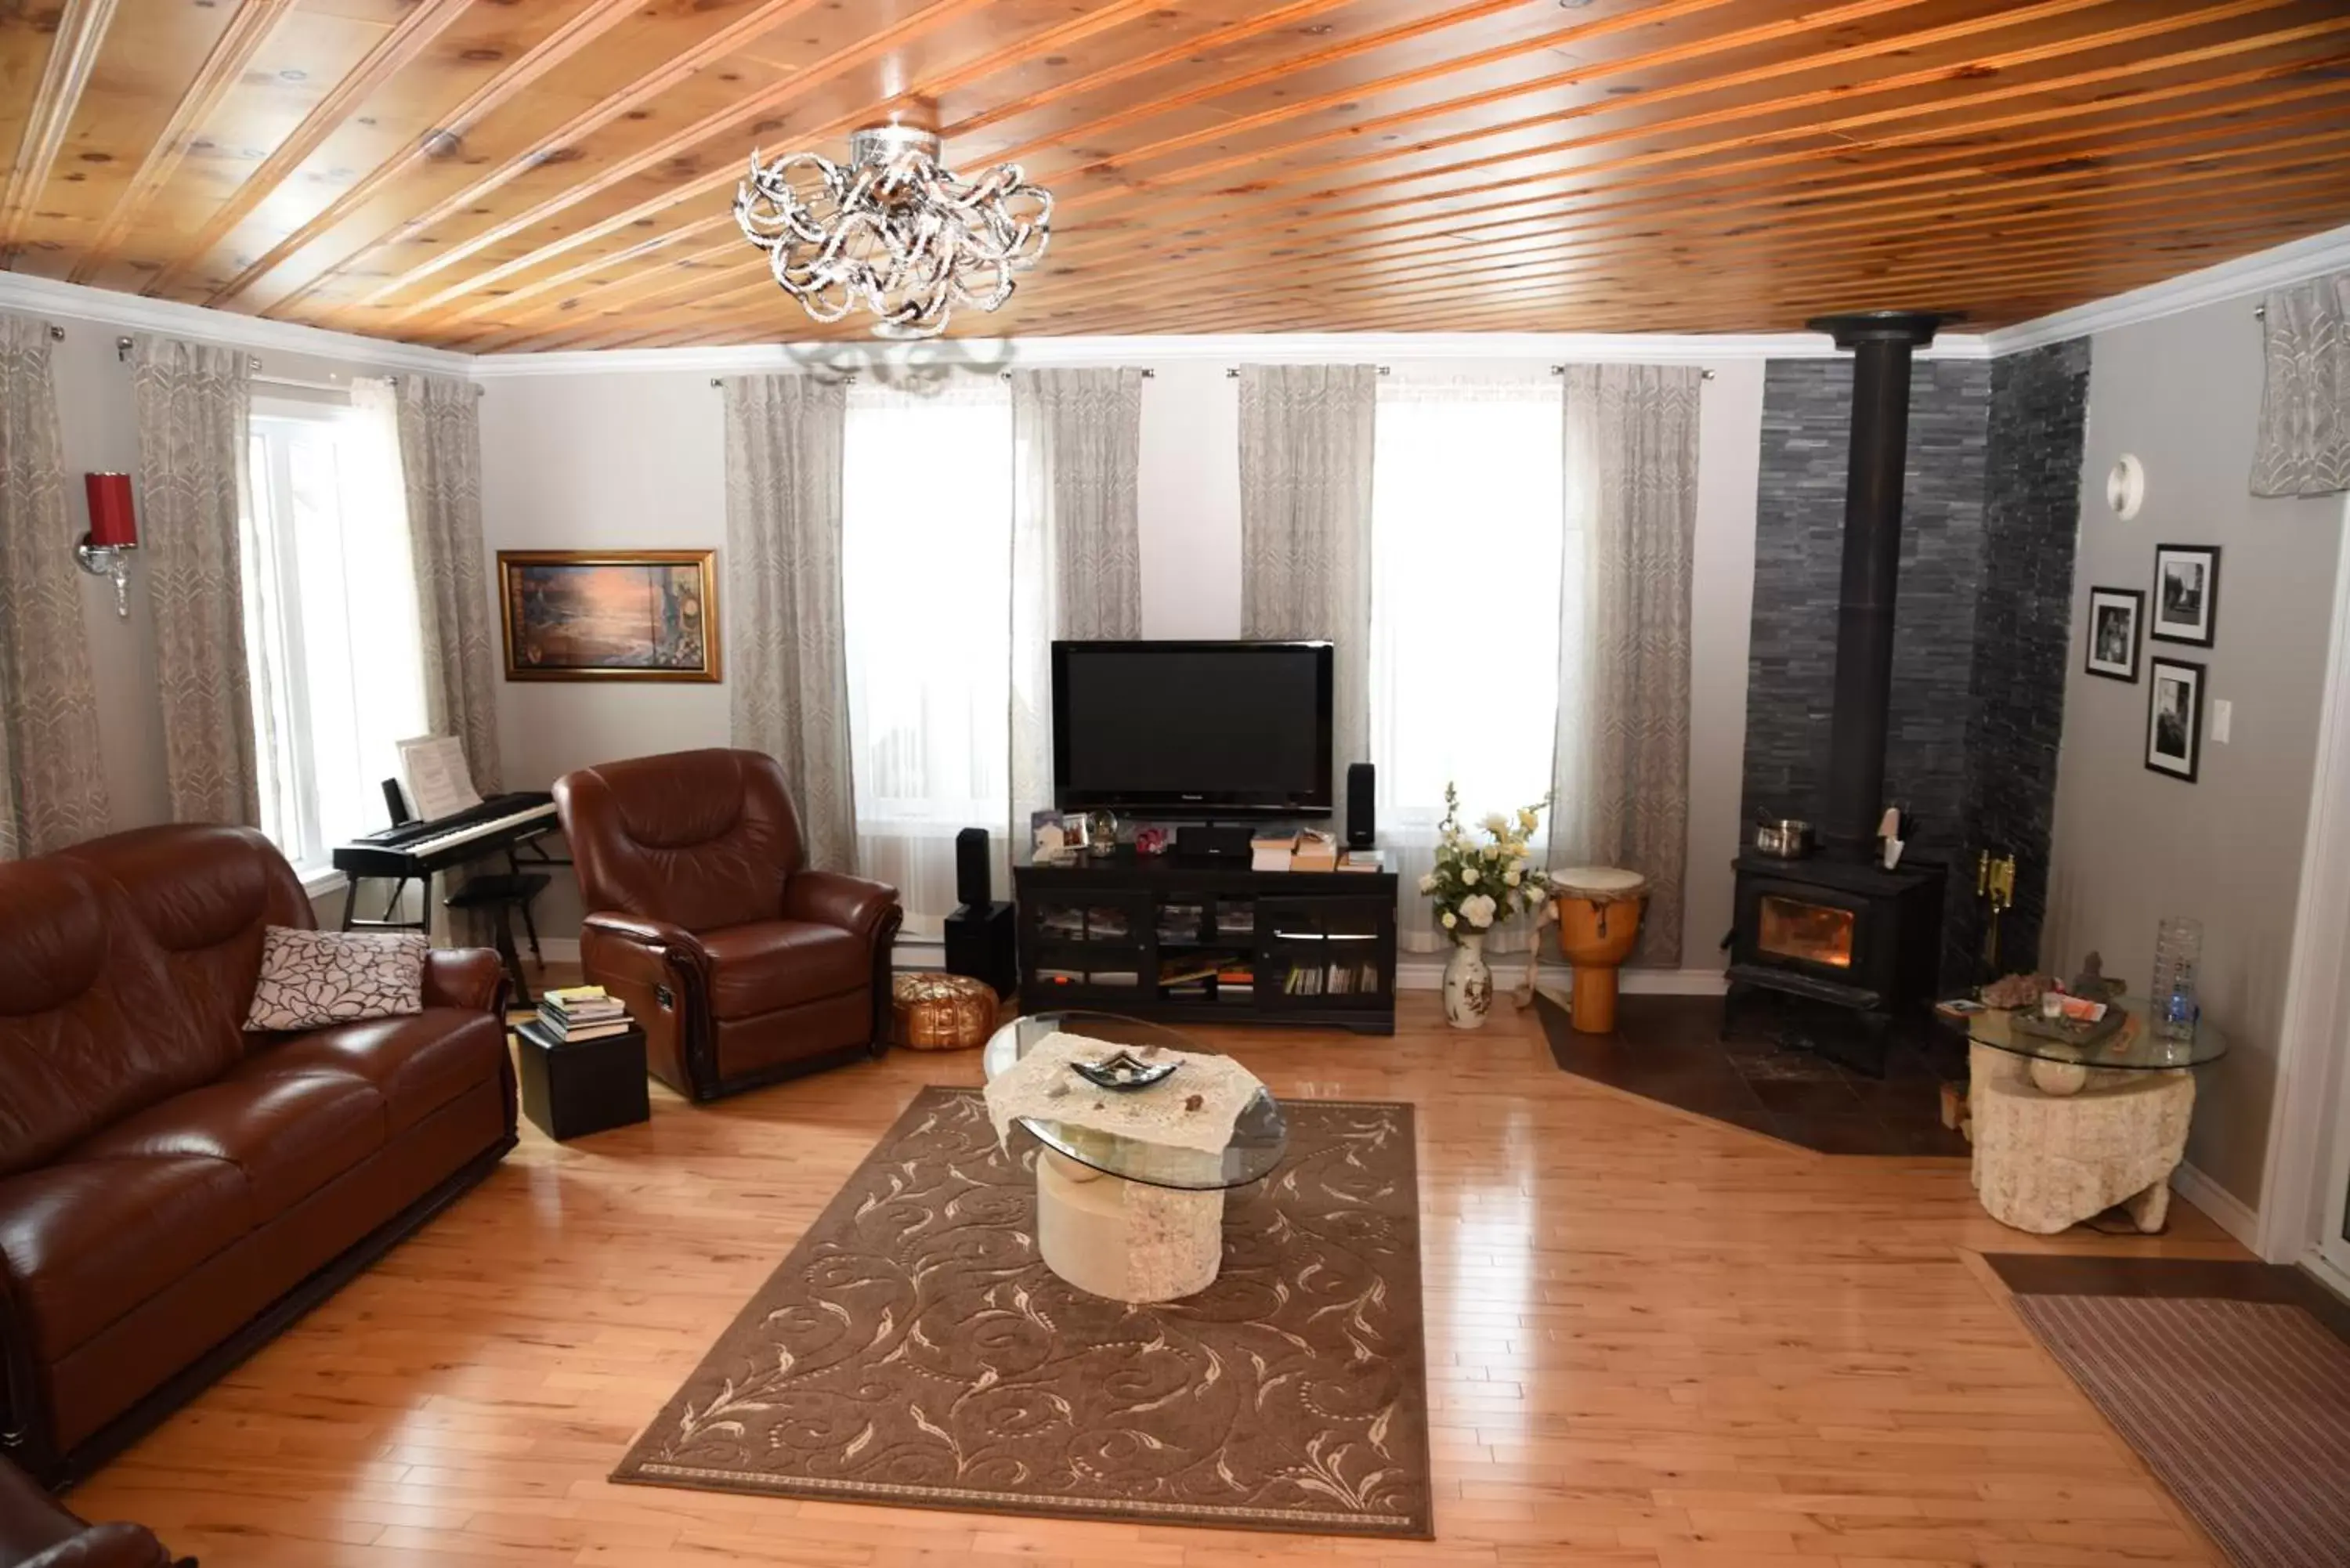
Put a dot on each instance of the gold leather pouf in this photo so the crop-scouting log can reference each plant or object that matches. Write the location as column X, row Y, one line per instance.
column 933, row 1012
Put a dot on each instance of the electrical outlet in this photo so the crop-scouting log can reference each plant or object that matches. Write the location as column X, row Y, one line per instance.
column 2222, row 713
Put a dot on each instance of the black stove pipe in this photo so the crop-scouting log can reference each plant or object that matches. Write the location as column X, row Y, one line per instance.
column 1882, row 342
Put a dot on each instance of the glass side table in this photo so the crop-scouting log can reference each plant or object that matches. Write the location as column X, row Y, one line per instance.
column 2065, row 1130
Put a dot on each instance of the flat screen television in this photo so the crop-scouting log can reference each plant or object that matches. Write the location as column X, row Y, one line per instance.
column 1199, row 731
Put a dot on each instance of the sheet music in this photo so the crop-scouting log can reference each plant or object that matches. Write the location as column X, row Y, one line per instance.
column 433, row 770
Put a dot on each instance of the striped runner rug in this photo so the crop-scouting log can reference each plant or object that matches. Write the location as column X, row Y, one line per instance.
column 2243, row 1408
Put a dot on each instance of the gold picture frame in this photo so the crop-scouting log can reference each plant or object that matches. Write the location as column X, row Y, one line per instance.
column 610, row 615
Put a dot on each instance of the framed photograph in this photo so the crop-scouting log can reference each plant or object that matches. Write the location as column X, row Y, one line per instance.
column 2174, row 719
column 2186, row 593
column 2114, row 617
column 610, row 615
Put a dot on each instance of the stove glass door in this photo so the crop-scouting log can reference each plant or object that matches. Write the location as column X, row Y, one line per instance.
column 1807, row 932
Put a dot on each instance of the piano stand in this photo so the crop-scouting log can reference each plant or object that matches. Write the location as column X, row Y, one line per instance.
column 499, row 897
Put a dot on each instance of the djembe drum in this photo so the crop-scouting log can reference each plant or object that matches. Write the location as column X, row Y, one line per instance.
column 1599, row 923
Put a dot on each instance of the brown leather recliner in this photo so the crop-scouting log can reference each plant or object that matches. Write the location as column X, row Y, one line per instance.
column 174, row 1190
column 36, row 1533
column 743, row 965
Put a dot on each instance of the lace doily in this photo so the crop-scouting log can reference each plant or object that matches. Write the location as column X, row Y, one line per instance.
column 1155, row 1115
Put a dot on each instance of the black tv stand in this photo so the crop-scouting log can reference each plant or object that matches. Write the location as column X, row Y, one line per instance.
column 1204, row 939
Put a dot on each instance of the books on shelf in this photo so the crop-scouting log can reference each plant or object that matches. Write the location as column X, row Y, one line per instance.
column 1362, row 860
column 1315, row 851
column 572, row 1013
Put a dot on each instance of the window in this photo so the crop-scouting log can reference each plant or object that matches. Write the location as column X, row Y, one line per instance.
column 330, row 622
column 926, row 591
column 1468, row 518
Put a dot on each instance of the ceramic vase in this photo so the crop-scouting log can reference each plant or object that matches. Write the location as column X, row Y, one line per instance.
column 1468, row 983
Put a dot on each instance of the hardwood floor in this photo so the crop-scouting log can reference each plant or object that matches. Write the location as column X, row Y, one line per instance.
column 1654, row 1341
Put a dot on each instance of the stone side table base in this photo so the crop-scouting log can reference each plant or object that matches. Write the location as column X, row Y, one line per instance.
column 2042, row 1162
column 1125, row 1240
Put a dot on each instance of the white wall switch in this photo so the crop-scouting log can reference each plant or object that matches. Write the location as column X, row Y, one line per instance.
column 2222, row 713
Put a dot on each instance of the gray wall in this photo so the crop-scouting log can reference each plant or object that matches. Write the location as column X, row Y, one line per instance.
column 2132, row 845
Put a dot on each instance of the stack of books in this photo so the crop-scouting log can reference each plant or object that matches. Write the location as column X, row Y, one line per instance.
column 1315, row 851
column 571, row 1013
column 1270, row 851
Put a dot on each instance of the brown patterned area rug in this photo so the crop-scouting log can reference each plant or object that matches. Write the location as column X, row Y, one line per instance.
column 2241, row 1408
column 914, row 1350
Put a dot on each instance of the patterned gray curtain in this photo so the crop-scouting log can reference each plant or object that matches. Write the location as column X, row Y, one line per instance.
column 441, row 461
column 789, row 679
column 195, row 419
column 1620, row 761
column 1076, row 545
column 1306, row 523
column 2304, row 440
column 52, row 779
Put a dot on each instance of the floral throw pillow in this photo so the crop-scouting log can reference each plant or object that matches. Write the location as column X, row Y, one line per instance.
column 310, row 979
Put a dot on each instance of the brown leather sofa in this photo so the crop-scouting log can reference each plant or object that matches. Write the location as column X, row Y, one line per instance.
column 174, row 1191
column 35, row 1533
column 743, row 966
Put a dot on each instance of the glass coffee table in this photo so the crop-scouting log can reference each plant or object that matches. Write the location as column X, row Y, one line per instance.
column 1121, row 1217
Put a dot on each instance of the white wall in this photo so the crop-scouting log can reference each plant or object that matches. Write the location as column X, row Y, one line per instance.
column 2132, row 845
column 600, row 458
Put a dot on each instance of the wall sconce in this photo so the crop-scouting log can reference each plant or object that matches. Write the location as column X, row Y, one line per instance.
column 105, row 550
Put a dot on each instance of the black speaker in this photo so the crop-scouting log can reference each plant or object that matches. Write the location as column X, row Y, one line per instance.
column 1362, row 830
column 972, row 880
column 979, row 944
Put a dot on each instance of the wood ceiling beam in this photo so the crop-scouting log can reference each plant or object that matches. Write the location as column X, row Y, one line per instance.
column 1417, row 214
column 79, row 33
column 220, row 75
column 1794, row 104
column 2157, row 201
column 709, row 184
column 580, row 31
column 1601, row 218
column 872, row 46
column 411, row 37
column 1609, row 212
column 1820, row 203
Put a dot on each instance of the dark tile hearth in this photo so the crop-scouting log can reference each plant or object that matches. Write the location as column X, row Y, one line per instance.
column 1668, row 1049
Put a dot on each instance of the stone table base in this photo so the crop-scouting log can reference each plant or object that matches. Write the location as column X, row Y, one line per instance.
column 2044, row 1162
column 1125, row 1240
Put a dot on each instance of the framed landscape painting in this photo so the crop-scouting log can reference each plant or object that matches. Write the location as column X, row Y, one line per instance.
column 610, row 615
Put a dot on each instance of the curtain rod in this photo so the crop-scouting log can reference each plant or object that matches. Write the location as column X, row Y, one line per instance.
column 1233, row 372
column 1562, row 369
column 850, row 379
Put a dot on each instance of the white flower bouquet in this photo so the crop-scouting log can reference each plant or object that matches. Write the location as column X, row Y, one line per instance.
column 1478, row 886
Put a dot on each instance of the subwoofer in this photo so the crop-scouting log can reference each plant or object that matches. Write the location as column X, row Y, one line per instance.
column 972, row 883
column 1362, row 829
column 981, row 943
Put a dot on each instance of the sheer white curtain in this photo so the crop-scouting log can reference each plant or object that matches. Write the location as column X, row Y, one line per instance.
column 926, row 591
column 1468, row 531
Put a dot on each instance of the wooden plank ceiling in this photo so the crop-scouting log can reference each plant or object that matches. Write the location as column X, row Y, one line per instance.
column 502, row 174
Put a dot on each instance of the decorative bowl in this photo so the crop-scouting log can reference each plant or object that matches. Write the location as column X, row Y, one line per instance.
column 1123, row 1072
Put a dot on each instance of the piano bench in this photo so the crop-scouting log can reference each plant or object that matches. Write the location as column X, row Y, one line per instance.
column 500, row 896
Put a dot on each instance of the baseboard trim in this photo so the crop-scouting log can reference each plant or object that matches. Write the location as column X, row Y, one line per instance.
column 2226, row 1209
column 1415, row 971
column 1425, row 972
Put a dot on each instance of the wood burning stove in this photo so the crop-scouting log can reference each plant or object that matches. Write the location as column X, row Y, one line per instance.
column 1838, row 928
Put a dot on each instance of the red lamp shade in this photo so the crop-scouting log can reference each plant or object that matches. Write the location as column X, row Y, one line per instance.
column 112, row 523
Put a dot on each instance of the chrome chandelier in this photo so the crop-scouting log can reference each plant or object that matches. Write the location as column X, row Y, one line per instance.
column 894, row 232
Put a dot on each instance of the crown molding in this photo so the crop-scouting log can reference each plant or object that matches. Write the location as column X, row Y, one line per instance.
column 51, row 297
column 2296, row 261
column 1387, row 348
